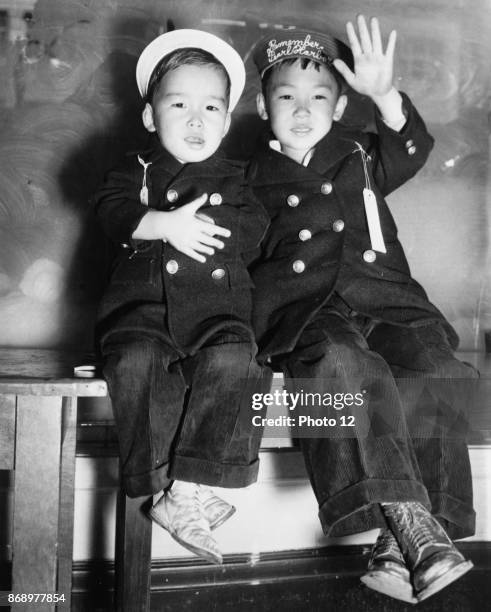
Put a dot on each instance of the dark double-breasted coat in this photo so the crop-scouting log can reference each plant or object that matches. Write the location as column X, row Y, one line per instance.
column 152, row 285
column 319, row 241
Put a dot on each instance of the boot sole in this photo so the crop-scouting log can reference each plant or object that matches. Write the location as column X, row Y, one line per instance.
column 200, row 552
column 444, row 580
column 397, row 589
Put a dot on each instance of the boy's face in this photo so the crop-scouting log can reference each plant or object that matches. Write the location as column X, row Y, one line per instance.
column 301, row 105
column 189, row 112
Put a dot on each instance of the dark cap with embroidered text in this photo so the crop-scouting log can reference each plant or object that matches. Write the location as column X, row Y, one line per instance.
column 291, row 44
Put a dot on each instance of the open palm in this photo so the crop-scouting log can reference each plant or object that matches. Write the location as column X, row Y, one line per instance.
column 373, row 69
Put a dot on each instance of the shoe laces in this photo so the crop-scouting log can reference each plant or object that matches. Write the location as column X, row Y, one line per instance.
column 418, row 528
column 386, row 545
column 420, row 537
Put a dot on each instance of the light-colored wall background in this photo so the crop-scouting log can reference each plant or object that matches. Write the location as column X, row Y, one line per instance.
column 69, row 109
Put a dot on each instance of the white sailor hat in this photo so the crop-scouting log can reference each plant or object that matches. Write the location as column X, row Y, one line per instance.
column 197, row 39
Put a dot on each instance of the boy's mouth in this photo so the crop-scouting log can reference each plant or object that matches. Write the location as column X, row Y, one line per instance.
column 195, row 140
column 301, row 130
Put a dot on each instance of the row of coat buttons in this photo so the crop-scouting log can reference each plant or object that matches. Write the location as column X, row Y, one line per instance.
column 293, row 200
column 411, row 149
column 172, row 267
column 215, row 198
column 299, row 266
column 306, row 234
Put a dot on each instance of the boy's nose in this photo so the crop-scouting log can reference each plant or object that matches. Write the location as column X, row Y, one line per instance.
column 302, row 109
column 195, row 121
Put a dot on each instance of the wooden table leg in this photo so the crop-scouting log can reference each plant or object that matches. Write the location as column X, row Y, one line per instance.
column 133, row 555
column 7, row 432
column 67, row 497
column 36, row 497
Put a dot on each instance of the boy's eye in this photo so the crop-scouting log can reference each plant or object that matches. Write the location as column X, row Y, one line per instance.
column 285, row 97
column 178, row 104
column 320, row 97
column 212, row 107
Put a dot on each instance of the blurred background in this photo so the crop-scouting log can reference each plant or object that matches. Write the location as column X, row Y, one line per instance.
column 69, row 108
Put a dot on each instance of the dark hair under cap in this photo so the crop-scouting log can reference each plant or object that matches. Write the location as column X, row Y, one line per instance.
column 188, row 56
column 304, row 64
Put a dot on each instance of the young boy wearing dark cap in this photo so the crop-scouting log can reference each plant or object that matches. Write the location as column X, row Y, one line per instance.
column 331, row 274
column 174, row 325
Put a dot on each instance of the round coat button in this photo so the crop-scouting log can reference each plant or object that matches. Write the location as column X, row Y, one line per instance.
column 215, row 199
column 172, row 266
column 326, row 188
column 298, row 266
column 172, row 195
column 218, row 274
column 304, row 235
column 411, row 150
column 369, row 256
column 338, row 225
column 293, row 200
column 409, row 143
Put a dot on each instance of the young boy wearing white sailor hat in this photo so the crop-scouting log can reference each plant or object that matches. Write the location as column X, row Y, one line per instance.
column 174, row 323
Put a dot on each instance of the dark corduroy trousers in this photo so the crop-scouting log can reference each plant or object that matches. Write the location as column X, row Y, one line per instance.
column 408, row 440
column 183, row 417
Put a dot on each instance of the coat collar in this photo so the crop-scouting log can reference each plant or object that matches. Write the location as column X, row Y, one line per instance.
column 338, row 144
column 335, row 146
column 161, row 160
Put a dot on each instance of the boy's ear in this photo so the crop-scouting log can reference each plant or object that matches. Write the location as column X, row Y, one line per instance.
column 340, row 106
column 147, row 117
column 261, row 107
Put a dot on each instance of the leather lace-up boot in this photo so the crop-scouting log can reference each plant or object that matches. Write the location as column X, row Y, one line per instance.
column 432, row 558
column 387, row 572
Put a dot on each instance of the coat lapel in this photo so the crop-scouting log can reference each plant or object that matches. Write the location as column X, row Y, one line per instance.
column 334, row 147
column 214, row 166
column 162, row 161
column 272, row 167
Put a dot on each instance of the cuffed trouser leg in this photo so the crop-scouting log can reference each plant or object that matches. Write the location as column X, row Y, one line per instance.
column 218, row 444
column 353, row 471
column 436, row 390
column 147, row 394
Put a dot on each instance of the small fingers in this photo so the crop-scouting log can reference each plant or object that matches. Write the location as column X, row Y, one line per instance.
column 206, row 239
column 202, row 248
column 353, row 39
column 343, row 69
column 391, row 45
column 204, row 217
column 376, row 36
column 365, row 40
column 193, row 254
column 198, row 202
column 213, row 242
column 215, row 230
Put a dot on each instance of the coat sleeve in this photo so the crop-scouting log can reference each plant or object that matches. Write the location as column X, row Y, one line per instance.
column 117, row 203
column 398, row 156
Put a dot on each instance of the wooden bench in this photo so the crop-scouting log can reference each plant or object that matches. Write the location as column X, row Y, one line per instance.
column 38, row 413
column 38, row 418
